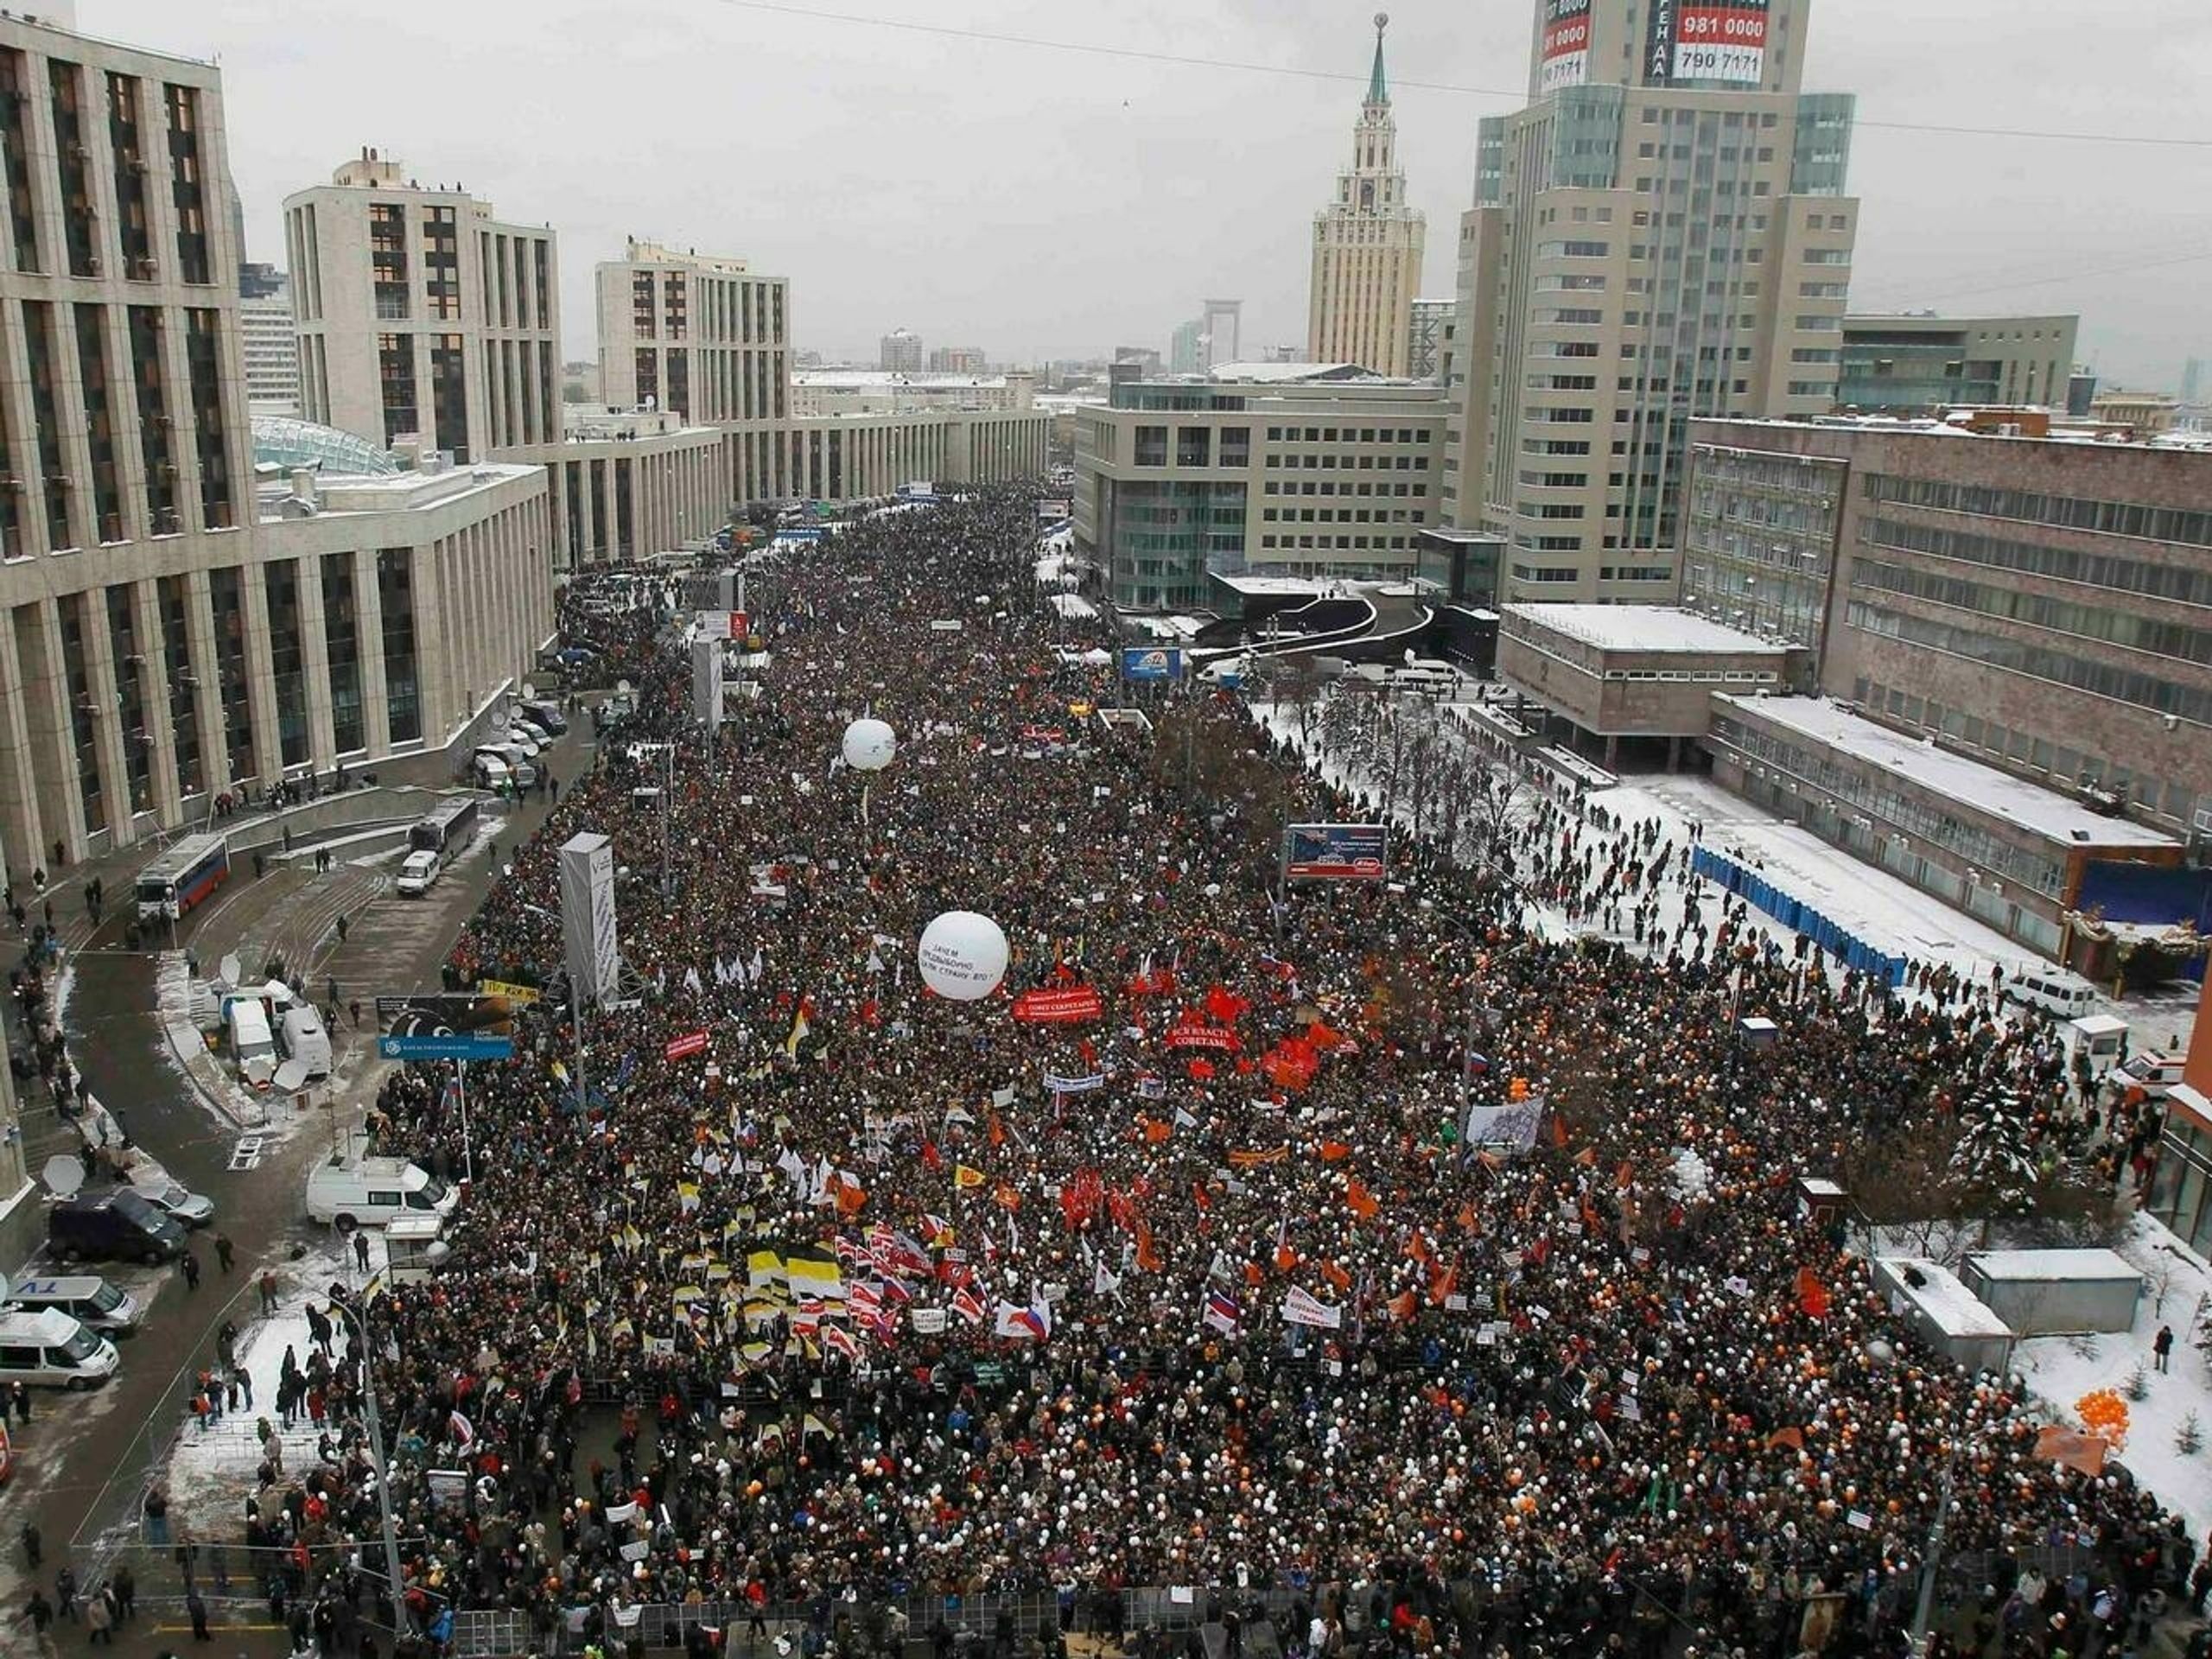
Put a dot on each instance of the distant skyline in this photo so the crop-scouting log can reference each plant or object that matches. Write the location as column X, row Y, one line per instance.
column 1041, row 203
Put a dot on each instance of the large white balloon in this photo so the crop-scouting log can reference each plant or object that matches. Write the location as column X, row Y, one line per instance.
column 869, row 745
column 963, row 955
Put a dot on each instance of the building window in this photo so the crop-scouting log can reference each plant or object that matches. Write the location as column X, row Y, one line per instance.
column 176, row 663
column 449, row 395
column 226, row 588
column 342, row 641
column 388, row 259
column 15, row 140
column 441, row 266
column 189, row 185
column 155, row 420
column 125, row 139
column 395, row 376
column 99, row 421
column 201, row 356
column 38, row 350
column 395, row 599
column 127, row 662
column 1151, row 446
column 79, row 227
column 82, row 709
column 281, row 590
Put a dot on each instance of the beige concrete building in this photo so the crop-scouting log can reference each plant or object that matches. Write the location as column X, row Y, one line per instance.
column 626, row 484
column 1661, row 234
column 1923, row 365
column 878, row 392
column 847, row 457
column 1367, row 247
column 700, row 335
column 272, row 352
column 161, row 643
column 418, row 312
column 1292, row 470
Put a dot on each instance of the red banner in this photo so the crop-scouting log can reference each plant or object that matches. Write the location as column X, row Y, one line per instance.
column 1190, row 1032
column 690, row 1043
column 1070, row 1006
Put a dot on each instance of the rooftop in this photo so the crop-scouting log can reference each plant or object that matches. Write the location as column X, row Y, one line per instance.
column 1643, row 627
column 865, row 379
column 1956, row 1311
column 2042, row 1267
column 1955, row 777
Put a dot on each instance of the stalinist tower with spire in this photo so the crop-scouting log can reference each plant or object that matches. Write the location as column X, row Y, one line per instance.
column 1367, row 247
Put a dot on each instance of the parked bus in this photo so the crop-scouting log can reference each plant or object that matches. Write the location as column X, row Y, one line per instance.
column 446, row 827
column 182, row 877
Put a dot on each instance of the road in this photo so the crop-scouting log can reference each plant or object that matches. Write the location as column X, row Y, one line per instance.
column 82, row 1459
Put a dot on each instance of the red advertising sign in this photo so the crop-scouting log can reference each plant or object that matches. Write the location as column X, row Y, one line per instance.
column 690, row 1043
column 741, row 623
column 1565, row 60
column 1070, row 1006
column 1709, row 40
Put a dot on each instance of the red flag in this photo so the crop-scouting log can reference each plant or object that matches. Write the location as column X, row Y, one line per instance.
column 932, row 1160
column 1362, row 1202
column 1558, row 1130
column 1340, row 1277
column 1331, row 1151
column 1442, row 1283
column 1147, row 1257
column 996, row 1131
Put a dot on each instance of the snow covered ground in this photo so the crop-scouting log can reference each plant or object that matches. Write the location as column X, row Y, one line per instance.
column 2061, row 1369
column 212, row 1470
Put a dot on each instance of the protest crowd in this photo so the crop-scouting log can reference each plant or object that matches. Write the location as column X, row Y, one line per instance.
column 1350, row 1242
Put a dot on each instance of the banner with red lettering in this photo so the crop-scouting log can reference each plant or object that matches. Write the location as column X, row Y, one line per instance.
column 1070, row 1006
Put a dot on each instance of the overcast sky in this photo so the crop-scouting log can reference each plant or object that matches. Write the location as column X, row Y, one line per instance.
column 1043, row 203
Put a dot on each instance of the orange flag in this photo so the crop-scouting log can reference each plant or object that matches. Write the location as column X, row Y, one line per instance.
column 1362, row 1202
column 1157, row 1129
column 1403, row 1305
column 1442, row 1283
column 996, row 1131
column 1466, row 1216
column 1793, row 1438
column 1812, row 1294
column 1625, row 1175
column 1332, row 1151
column 1417, row 1247
column 1558, row 1130
column 851, row 1197
column 1587, row 1157
column 1340, row 1277
column 2073, row 1448
column 1286, row 1258
column 1253, row 1274
column 1253, row 1158
column 1147, row 1258
column 1006, row 1196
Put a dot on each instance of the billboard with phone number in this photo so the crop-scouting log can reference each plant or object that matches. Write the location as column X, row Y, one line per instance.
column 1336, row 851
column 1566, row 60
column 1719, row 42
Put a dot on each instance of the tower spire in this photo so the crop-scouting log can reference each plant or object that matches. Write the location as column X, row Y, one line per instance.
column 1377, row 90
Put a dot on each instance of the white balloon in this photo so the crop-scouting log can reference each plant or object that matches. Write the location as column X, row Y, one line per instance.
column 869, row 745
column 963, row 955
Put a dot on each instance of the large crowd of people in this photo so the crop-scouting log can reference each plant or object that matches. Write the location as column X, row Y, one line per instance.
column 1442, row 1278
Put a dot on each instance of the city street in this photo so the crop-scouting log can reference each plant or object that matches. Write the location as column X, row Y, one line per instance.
column 81, row 1460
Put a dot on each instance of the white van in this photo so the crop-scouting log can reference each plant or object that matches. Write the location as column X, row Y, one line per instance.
column 2054, row 990
column 86, row 1298
column 253, row 1048
column 491, row 770
column 47, row 1348
column 418, row 874
column 511, row 756
column 306, row 1041
column 371, row 1192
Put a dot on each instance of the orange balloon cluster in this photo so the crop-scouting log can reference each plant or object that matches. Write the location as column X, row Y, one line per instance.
column 2104, row 1414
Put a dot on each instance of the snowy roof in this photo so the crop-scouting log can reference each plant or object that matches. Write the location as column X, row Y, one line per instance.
column 1270, row 584
column 1643, row 627
column 1074, row 604
column 2191, row 1104
column 2048, row 1267
column 1955, row 777
column 1954, row 1310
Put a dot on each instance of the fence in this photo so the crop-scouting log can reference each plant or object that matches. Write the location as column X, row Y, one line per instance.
column 1756, row 890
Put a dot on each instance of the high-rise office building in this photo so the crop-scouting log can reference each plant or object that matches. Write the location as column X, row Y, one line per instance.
column 273, row 346
column 1661, row 235
column 420, row 313
column 1367, row 246
column 1187, row 348
column 703, row 336
column 901, row 351
column 170, row 632
column 1221, row 328
column 958, row 359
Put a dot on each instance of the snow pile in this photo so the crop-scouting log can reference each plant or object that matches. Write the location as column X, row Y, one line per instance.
column 2061, row 1369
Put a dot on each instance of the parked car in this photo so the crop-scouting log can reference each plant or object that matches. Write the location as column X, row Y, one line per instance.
column 49, row 1349
column 118, row 1225
column 2150, row 1076
column 86, row 1298
column 191, row 1209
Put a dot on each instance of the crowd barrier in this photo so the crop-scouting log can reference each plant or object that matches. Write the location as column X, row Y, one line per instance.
column 1762, row 895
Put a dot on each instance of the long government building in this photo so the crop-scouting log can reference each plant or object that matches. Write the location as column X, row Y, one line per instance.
column 200, row 602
